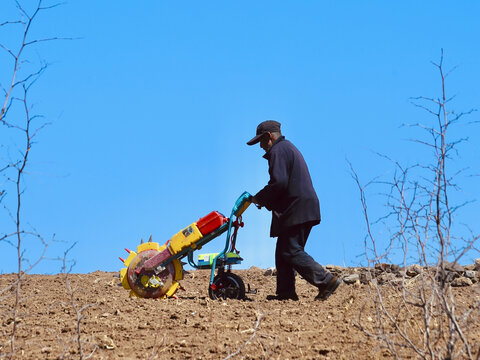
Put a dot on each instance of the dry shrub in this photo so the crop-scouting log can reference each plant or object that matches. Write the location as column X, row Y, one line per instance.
column 426, row 320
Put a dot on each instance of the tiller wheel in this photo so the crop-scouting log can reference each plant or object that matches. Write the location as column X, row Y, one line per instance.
column 227, row 285
column 156, row 283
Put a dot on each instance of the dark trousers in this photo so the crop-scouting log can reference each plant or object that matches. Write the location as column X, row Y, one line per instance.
column 290, row 256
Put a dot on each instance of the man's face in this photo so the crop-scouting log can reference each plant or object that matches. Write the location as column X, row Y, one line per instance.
column 266, row 142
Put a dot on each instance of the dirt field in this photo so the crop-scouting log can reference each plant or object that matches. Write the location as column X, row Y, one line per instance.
column 116, row 326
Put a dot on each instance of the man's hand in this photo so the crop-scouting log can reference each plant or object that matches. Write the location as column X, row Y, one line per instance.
column 254, row 200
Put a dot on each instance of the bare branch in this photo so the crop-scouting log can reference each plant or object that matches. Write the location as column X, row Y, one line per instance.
column 11, row 22
column 250, row 339
column 16, row 94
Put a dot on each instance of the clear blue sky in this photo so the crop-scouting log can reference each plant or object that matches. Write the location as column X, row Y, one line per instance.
column 152, row 105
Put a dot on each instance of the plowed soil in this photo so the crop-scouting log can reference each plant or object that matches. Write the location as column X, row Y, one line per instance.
column 111, row 325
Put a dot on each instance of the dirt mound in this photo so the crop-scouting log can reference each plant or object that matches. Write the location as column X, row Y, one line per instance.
column 113, row 325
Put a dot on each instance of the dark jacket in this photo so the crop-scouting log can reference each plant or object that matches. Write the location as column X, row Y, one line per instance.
column 289, row 194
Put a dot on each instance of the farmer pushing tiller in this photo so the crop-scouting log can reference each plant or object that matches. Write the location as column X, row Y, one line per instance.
column 290, row 196
column 154, row 271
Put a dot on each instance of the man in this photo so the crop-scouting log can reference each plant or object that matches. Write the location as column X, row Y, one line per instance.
column 295, row 208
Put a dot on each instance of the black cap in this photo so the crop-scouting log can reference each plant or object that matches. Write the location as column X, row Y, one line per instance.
column 263, row 128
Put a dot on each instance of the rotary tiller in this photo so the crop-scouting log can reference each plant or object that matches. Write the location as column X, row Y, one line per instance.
column 154, row 271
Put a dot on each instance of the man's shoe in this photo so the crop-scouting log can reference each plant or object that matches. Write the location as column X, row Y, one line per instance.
column 329, row 289
column 293, row 297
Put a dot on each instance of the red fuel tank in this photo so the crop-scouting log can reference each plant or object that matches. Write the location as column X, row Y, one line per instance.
column 211, row 222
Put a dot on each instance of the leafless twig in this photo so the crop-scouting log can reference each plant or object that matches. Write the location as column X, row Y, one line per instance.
column 251, row 338
column 79, row 310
